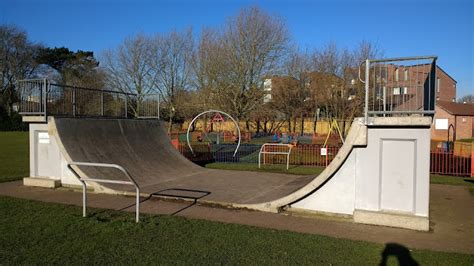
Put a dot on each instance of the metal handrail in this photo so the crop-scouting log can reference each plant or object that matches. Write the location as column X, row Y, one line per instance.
column 262, row 151
column 105, row 165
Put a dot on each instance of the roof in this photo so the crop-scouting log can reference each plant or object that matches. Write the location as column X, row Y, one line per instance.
column 457, row 108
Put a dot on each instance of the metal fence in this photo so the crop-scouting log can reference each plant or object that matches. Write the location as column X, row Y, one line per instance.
column 450, row 163
column 309, row 155
column 399, row 86
column 42, row 98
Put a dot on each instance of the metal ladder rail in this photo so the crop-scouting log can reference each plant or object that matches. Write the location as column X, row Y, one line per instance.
column 105, row 165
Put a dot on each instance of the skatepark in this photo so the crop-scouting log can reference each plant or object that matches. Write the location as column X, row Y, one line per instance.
column 380, row 175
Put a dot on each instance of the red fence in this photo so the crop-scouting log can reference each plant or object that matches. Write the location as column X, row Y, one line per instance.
column 441, row 161
column 450, row 163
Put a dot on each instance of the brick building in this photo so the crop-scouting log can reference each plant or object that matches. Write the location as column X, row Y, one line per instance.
column 455, row 119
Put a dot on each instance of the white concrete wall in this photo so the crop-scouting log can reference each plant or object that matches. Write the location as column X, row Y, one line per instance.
column 393, row 171
column 337, row 194
column 46, row 160
column 391, row 174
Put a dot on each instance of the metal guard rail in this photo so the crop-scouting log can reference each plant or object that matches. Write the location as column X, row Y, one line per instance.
column 105, row 165
column 262, row 151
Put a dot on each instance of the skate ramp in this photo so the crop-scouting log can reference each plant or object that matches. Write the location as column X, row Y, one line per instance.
column 144, row 149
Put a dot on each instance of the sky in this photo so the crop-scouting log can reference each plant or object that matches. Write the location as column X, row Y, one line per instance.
column 399, row 27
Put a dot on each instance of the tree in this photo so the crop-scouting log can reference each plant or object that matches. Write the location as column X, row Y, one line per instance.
column 16, row 62
column 128, row 69
column 468, row 98
column 235, row 60
column 169, row 60
column 78, row 68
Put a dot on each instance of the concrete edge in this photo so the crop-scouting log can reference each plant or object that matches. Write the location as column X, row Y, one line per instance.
column 33, row 119
column 402, row 121
column 357, row 137
column 392, row 219
column 41, row 182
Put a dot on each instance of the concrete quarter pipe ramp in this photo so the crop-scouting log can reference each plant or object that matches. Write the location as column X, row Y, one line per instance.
column 379, row 176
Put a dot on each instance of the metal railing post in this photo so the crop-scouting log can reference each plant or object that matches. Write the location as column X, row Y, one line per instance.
column 84, row 199
column 45, row 102
column 137, row 207
column 126, row 111
column 73, row 102
column 366, row 108
column 105, row 165
column 159, row 106
column 102, row 103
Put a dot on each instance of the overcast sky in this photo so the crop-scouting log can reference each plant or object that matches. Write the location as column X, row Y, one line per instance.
column 401, row 28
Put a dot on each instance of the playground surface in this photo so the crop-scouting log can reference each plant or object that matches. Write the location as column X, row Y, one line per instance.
column 451, row 230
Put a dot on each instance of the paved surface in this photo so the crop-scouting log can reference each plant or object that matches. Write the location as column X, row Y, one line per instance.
column 452, row 217
column 143, row 148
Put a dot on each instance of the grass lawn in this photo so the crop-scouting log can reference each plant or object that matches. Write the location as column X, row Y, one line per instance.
column 44, row 233
column 14, row 158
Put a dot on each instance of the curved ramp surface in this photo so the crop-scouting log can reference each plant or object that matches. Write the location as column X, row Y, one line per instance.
column 144, row 149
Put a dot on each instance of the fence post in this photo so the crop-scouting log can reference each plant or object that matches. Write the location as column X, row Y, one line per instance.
column 102, row 103
column 73, row 101
column 472, row 161
column 44, row 100
column 126, row 106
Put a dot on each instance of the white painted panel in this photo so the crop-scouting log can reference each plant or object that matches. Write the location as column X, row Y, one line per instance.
column 441, row 124
column 397, row 175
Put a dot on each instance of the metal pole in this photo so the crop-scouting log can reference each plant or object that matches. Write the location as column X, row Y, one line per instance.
column 102, row 103
column 73, row 102
column 137, row 210
column 44, row 96
column 367, row 73
column 126, row 106
column 159, row 99
column 84, row 198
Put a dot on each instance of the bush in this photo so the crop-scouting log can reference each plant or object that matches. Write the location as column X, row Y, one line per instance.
column 11, row 123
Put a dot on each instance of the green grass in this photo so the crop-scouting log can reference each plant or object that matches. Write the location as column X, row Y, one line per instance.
column 274, row 168
column 452, row 180
column 44, row 233
column 14, row 158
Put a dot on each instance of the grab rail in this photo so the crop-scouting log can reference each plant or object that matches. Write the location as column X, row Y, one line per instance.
column 262, row 151
column 105, row 165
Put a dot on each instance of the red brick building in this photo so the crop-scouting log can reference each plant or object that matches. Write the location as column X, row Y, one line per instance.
column 457, row 119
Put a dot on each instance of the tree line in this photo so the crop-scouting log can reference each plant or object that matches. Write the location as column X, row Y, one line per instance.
column 221, row 68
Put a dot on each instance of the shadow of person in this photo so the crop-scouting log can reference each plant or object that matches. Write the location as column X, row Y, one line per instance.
column 400, row 252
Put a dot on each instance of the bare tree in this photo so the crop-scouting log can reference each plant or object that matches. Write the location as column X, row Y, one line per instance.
column 170, row 59
column 128, row 68
column 248, row 49
column 468, row 98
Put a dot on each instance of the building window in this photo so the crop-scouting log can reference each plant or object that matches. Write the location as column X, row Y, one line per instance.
column 396, row 74
column 267, row 85
column 405, row 90
column 405, row 74
column 438, row 84
column 396, row 91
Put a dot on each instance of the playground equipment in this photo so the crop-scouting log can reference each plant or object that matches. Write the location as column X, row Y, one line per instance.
column 218, row 118
column 379, row 176
column 263, row 151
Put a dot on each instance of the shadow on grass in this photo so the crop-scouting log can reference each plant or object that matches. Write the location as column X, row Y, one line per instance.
column 401, row 253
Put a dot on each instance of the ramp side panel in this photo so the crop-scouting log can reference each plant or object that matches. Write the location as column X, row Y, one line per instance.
column 337, row 195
